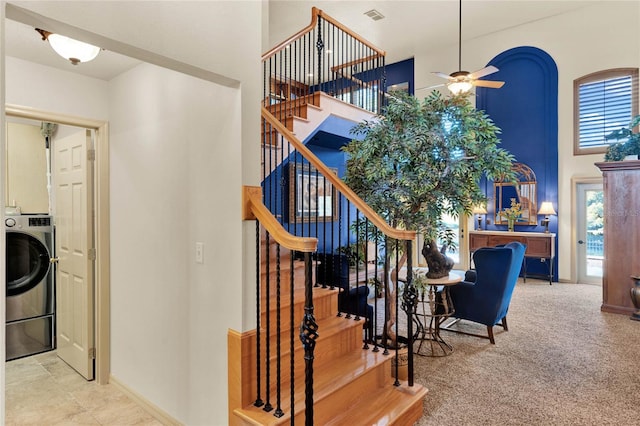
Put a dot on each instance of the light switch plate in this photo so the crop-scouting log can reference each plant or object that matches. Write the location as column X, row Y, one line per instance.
column 199, row 252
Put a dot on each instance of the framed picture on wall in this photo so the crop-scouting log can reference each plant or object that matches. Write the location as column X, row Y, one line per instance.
column 311, row 196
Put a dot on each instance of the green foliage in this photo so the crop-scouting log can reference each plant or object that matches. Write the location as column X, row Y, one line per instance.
column 595, row 212
column 422, row 159
column 629, row 142
column 354, row 254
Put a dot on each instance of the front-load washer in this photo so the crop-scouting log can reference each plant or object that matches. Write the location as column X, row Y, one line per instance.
column 30, row 289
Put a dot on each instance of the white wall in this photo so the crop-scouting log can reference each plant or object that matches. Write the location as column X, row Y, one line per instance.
column 603, row 36
column 174, row 165
column 51, row 89
column 222, row 37
column 177, row 172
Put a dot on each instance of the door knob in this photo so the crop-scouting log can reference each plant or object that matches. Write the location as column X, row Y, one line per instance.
column 580, row 242
column 54, row 260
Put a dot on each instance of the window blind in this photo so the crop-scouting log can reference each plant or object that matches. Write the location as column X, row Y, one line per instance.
column 605, row 106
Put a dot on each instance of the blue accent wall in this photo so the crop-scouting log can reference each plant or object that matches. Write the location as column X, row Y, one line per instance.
column 325, row 142
column 526, row 110
column 400, row 72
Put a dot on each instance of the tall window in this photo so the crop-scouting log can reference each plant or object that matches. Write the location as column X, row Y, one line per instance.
column 603, row 102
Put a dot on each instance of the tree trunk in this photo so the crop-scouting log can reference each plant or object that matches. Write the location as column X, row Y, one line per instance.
column 389, row 334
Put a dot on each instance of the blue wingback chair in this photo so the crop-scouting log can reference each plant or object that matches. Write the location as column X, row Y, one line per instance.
column 484, row 296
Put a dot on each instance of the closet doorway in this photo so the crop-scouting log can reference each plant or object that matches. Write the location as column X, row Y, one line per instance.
column 100, row 316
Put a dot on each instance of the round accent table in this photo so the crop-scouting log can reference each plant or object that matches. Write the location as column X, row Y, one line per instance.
column 434, row 307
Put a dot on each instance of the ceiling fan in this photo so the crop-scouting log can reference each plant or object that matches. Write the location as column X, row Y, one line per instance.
column 462, row 81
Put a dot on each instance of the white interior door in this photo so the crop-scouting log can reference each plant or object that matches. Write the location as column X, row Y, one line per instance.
column 75, row 252
column 589, row 232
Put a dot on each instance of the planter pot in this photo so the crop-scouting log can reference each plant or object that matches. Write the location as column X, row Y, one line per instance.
column 403, row 364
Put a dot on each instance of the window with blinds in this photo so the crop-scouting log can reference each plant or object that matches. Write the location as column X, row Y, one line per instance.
column 603, row 102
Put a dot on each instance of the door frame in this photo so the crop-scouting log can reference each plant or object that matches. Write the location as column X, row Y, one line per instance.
column 575, row 181
column 102, row 226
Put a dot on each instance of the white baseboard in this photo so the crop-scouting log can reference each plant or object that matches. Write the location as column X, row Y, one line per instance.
column 150, row 408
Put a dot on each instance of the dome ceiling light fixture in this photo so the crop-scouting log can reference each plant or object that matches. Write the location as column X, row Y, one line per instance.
column 462, row 81
column 72, row 50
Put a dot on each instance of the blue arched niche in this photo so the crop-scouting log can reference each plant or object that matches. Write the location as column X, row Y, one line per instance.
column 526, row 110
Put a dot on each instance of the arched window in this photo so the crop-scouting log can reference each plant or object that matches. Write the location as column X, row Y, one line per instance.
column 603, row 102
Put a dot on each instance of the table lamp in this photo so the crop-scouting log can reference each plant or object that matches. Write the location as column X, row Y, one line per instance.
column 479, row 210
column 546, row 209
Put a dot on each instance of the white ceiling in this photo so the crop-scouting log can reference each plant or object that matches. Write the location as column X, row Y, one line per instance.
column 22, row 41
column 416, row 27
column 409, row 27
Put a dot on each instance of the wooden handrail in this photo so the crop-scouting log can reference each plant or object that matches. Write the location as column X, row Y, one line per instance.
column 381, row 224
column 315, row 13
column 254, row 209
column 354, row 62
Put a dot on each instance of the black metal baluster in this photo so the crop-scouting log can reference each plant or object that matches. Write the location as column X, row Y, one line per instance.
column 367, row 320
column 397, row 295
column 385, row 337
column 292, row 370
column 258, row 402
column 339, row 262
column 319, row 48
column 375, row 297
column 357, row 261
column 308, row 336
column 267, row 405
column 410, row 297
column 278, row 412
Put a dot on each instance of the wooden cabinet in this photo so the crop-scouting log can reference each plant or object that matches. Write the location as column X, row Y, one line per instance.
column 621, row 181
column 540, row 245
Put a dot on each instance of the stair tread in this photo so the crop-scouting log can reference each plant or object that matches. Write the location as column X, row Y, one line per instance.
column 385, row 406
column 298, row 295
column 326, row 326
column 343, row 371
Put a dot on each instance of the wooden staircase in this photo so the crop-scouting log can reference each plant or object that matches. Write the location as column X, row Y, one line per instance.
column 306, row 78
column 352, row 385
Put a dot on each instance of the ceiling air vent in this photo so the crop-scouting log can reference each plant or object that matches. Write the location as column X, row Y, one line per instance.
column 374, row 14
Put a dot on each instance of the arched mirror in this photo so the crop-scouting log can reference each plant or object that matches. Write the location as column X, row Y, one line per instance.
column 523, row 193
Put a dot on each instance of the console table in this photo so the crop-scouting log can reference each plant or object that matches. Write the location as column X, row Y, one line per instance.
column 540, row 245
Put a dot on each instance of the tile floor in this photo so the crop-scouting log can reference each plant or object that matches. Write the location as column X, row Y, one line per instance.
column 42, row 390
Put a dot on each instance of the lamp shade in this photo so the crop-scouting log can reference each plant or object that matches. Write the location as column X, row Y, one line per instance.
column 546, row 208
column 72, row 50
column 479, row 209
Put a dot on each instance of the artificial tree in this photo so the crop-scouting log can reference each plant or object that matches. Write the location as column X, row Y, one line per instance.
column 421, row 159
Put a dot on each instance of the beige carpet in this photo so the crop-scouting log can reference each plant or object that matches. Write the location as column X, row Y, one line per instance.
column 562, row 362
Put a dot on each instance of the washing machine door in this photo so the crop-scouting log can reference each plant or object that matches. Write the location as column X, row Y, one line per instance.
column 28, row 262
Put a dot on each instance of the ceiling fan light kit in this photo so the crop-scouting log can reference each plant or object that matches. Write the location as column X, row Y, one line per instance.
column 72, row 50
column 457, row 87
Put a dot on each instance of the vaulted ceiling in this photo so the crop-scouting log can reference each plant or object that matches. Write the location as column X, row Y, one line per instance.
column 407, row 29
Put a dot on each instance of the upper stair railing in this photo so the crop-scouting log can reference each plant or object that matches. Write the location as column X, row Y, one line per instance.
column 356, row 248
column 325, row 56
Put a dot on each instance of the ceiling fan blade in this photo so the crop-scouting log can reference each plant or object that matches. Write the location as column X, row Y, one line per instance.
column 488, row 83
column 484, row 71
column 443, row 75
